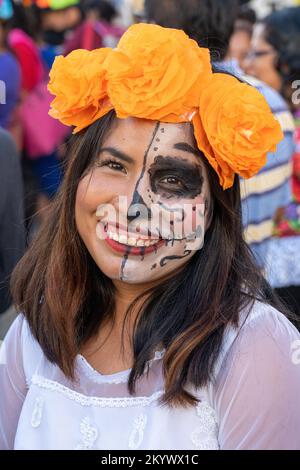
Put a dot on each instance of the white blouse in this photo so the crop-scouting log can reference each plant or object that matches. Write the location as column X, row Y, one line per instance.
column 252, row 403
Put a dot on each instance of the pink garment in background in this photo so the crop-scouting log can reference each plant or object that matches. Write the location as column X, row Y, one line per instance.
column 29, row 59
column 42, row 133
column 92, row 35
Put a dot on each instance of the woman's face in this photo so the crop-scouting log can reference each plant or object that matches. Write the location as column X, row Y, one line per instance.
column 61, row 20
column 261, row 61
column 239, row 45
column 142, row 209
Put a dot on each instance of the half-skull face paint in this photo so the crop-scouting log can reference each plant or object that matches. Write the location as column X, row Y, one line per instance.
column 143, row 208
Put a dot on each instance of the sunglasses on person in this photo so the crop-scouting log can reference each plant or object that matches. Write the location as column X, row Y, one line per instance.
column 255, row 54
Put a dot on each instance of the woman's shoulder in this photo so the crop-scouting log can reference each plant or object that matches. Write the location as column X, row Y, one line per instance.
column 19, row 330
column 20, row 343
column 265, row 318
column 262, row 323
column 256, row 391
column 262, row 329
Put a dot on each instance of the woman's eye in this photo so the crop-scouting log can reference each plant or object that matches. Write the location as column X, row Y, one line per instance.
column 172, row 181
column 113, row 165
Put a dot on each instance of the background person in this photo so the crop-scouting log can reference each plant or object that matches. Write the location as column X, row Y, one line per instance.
column 12, row 234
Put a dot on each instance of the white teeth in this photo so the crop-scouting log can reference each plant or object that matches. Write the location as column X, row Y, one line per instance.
column 123, row 239
column 131, row 241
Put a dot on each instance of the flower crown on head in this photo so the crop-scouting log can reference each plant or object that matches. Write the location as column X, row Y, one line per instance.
column 161, row 74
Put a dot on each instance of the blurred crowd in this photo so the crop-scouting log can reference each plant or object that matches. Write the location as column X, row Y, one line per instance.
column 33, row 147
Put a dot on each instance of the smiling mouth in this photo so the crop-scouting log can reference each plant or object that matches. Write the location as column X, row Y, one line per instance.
column 130, row 240
column 129, row 243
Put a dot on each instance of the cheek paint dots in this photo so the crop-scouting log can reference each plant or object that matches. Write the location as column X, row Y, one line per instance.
column 149, row 195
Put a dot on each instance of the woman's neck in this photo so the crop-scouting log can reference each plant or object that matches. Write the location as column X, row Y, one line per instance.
column 104, row 352
column 125, row 294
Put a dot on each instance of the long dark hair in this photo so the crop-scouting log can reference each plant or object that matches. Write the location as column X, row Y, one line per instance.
column 209, row 22
column 66, row 298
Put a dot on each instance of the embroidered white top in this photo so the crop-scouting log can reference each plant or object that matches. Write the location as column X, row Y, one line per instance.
column 253, row 403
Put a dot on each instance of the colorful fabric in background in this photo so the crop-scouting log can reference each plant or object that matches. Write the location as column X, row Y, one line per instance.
column 6, row 9
column 52, row 4
column 270, row 189
column 28, row 57
column 92, row 35
column 9, row 74
column 288, row 221
column 60, row 4
column 11, row 77
column 282, row 262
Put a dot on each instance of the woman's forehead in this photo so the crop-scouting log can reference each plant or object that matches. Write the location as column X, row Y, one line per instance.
column 134, row 133
column 258, row 36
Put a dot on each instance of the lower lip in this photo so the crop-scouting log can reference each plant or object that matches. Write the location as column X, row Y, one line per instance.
column 132, row 250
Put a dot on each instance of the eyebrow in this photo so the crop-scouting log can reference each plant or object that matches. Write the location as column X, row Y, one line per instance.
column 185, row 147
column 117, row 153
column 163, row 163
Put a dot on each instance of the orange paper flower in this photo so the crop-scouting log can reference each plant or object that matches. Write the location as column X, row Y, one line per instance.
column 161, row 74
column 80, row 85
column 235, row 128
column 157, row 73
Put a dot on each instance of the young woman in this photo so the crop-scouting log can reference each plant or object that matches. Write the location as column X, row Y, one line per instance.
column 145, row 323
column 272, row 42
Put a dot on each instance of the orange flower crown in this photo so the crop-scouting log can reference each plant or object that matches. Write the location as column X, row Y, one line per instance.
column 161, row 74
